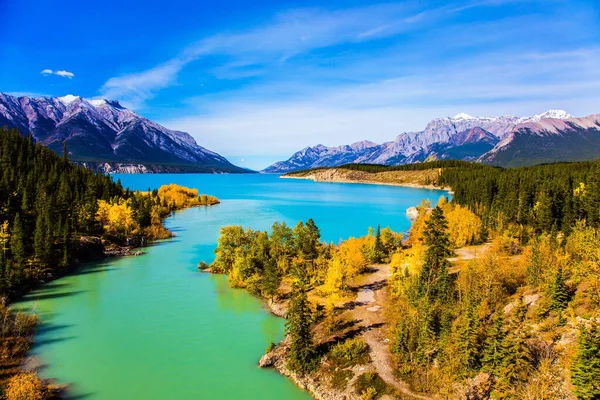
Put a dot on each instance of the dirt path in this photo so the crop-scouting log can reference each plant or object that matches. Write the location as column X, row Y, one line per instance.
column 368, row 311
column 470, row 252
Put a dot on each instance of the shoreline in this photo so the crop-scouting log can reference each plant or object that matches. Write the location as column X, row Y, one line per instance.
column 31, row 363
column 315, row 178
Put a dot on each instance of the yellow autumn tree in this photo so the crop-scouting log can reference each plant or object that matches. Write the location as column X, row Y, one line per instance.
column 464, row 226
column 417, row 229
column 24, row 386
column 347, row 262
column 116, row 219
column 181, row 197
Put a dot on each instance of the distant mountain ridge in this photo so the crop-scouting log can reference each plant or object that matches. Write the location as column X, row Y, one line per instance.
column 108, row 137
column 505, row 140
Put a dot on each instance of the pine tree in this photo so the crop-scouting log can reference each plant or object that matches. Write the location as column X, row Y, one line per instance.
column 66, row 239
column 65, row 152
column 426, row 333
column 467, row 339
column 518, row 360
column 434, row 280
column 559, row 296
column 17, row 246
column 493, row 354
column 534, row 267
column 271, row 279
column 379, row 249
column 302, row 357
column 585, row 372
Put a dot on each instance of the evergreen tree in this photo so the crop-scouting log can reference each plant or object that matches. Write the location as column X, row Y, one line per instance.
column 493, row 354
column 534, row 267
column 559, row 296
column 17, row 245
column 433, row 278
column 467, row 339
column 517, row 363
column 379, row 249
column 65, row 152
column 271, row 279
column 302, row 357
column 585, row 372
column 66, row 239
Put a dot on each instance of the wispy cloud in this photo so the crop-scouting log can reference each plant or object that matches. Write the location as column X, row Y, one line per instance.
column 381, row 110
column 288, row 35
column 63, row 73
column 313, row 76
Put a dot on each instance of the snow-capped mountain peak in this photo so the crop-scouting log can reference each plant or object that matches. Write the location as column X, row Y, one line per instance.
column 554, row 114
column 68, row 99
column 460, row 137
column 105, row 131
column 462, row 116
column 97, row 102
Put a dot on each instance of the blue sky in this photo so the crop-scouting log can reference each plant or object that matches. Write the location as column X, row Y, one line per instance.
column 258, row 80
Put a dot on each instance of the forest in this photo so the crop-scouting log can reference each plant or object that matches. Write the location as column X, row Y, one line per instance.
column 54, row 214
column 50, row 204
column 519, row 321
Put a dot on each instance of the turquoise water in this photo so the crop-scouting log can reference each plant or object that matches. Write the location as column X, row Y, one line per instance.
column 153, row 327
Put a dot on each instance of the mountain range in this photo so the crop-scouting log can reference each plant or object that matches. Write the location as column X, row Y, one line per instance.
column 107, row 137
column 505, row 141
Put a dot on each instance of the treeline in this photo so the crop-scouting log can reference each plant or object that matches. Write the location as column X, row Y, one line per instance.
column 259, row 260
column 44, row 201
column 522, row 320
column 545, row 197
column 47, row 204
column 375, row 168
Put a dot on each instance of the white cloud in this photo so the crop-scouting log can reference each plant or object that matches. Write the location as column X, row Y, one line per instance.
column 133, row 89
column 63, row 73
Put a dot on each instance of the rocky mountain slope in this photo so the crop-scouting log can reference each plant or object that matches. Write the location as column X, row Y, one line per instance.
column 505, row 140
column 548, row 140
column 107, row 137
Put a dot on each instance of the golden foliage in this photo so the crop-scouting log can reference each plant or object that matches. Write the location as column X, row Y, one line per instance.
column 24, row 386
column 463, row 225
column 116, row 219
column 347, row 262
column 583, row 249
column 182, row 197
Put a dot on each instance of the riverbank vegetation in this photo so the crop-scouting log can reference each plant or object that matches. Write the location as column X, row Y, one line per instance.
column 517, row 319
column 48, row 205
column 52, row 215
column 318, row 281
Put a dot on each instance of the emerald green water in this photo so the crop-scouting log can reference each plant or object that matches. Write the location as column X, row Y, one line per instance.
column 153, row 327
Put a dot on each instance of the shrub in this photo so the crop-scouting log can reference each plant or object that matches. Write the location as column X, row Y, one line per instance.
column 369, row 394
column 340, row 378
column 24, row 386
column 370, row 382
column 350, row 352
column 271, row 347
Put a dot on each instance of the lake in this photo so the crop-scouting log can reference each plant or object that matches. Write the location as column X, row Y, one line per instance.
column 153, row 327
